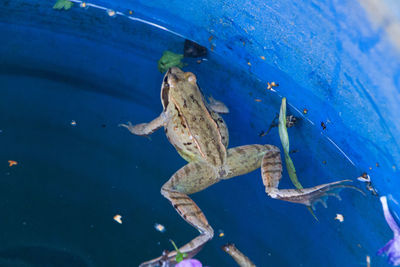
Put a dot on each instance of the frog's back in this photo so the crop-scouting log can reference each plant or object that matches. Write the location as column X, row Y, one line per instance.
column 192, row 128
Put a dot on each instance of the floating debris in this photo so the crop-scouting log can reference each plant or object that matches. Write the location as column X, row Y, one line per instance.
column 364, row 177
column 367, row 180
column 159, row 227
column 83, row 5
column 339, row 217
column 248, row 63
column 368, row 260
column 290, row 121
column 305, row 111
column 262, row 57
column 192, row 49
column 323, row 125
column 12, row 163
column 63, row 4
column 392, row 248
column 73, row 123
column 221, row 233
column 324, row 162
column 130, row 12
column 257, row 100
column 210, row 38
column 271, row 85
column 118, row 218
column 111, row 13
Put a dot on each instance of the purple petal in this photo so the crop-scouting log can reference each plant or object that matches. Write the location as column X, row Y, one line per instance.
column 394, row 252
column 389, row 219
column 392, row 248
column 385, row 248
column 189, row 263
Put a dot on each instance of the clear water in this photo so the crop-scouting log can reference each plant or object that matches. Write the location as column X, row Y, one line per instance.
column 72, row 179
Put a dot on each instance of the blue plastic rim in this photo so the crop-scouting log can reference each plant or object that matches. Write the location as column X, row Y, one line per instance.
column 336, row 62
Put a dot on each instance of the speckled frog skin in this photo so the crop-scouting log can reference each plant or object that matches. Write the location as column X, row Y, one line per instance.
column 200, row 136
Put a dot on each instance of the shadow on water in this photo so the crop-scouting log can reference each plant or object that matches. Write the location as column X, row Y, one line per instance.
column 40, row 256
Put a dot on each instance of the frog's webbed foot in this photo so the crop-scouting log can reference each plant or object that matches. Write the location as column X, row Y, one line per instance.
column 191, row 178
column 271, row 168
column 311, row 196
column 144, row 128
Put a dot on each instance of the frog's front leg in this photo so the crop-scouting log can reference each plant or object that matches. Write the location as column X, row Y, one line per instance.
column 145, row 128
column 191, row 178
column 244, row 159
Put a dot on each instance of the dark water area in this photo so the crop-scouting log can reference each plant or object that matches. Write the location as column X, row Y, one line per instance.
column 63, row 94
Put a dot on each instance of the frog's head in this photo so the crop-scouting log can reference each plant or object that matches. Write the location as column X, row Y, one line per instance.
column 176, row 83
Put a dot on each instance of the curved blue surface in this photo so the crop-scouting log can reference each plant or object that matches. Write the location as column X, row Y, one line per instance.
column 339, row 61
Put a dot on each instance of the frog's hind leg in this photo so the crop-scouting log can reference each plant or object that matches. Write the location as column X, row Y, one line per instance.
column 192, row 178
column 145, row 128
column 271, row 170
column 244, row 159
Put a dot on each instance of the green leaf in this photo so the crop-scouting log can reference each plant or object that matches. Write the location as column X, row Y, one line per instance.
column 168, row 60
column 179, row 255
column 292, row 171
column 283, row 134
column 63, row 4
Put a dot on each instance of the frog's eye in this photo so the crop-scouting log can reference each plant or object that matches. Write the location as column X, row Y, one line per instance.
column 191, row 77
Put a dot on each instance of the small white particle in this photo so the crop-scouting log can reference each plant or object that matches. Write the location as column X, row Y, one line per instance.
column 118, row 218
column 73, row 123
column 159, row 227
column 111, row 12
column 339, row 217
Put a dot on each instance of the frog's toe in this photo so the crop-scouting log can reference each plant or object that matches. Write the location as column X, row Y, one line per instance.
column 127, row 125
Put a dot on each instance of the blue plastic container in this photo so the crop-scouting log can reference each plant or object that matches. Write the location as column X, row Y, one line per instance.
column 68, row 78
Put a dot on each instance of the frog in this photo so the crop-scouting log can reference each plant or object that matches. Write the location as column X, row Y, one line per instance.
column 200, row 136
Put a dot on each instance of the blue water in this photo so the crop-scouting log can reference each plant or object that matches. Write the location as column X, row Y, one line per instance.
column 59, row 201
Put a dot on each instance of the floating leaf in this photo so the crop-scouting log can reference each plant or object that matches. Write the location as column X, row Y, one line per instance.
column 285, row 144
column 283, row 134
column 168, row 60
column 63, row 4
